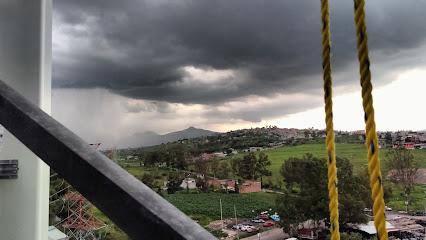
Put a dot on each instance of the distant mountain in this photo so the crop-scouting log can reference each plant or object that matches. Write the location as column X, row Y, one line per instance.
column 151, row 138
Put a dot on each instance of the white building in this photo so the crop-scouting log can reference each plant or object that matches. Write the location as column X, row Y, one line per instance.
column 188, row 183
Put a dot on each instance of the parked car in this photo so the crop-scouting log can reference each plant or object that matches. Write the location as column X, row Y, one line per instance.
column 253, row 229
column 388, row 208
column 245, row 227
column 268, row 224
column 418, row 213
column 421, row 222
column 237, row 226
column 256, row 220
column 275, row 217
column 264, row 217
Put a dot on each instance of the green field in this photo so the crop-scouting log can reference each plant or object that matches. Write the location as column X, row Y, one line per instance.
column 416, row 199
column 208, row 204
column 356, row 153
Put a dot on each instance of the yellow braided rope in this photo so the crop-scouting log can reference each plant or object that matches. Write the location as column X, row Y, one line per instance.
column 331, row 162
column 370, row 125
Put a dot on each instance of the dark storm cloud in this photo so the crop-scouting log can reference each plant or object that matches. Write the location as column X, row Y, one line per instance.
column 260, row 111
column 137, row 107
column 138, row 48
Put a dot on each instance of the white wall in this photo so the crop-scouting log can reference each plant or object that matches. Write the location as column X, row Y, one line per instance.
column 25, row 64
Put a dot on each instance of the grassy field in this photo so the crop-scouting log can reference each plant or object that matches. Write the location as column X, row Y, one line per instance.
column 356, row 153
column 416, row 199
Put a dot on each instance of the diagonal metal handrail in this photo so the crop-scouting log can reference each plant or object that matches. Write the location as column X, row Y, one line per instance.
column 134, row 207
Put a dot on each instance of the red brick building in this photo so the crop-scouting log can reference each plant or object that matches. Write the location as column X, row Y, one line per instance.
column 221, row 183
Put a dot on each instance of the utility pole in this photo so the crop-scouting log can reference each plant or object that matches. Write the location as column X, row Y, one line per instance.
column 221, row 220
column 236, row 223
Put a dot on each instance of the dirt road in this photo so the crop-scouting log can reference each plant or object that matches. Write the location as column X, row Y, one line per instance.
column 274, row 234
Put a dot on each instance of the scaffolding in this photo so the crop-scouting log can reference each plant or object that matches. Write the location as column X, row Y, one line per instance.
column 81, row 223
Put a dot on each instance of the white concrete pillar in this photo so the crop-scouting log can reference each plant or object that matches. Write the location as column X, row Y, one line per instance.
column 25, row 64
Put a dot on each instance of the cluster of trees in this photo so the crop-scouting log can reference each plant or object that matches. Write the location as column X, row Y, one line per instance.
column 307, row 198
column 174, row 181
column 175, row 157
column 307, row 184
column 220, row 169
column 251, row 167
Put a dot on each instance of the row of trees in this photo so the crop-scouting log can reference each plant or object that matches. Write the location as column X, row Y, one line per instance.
column 175, row 157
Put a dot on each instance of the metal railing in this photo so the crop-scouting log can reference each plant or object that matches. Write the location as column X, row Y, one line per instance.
column 131, row 205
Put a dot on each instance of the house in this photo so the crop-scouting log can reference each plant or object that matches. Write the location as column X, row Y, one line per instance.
column 306, row 233
column 368, row 230
column 221, row 183
column 219, row 154
column 188, row 183
column 406, row 145
column 249, row 186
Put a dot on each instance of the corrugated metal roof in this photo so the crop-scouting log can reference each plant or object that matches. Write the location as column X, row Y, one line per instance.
column 370, row 229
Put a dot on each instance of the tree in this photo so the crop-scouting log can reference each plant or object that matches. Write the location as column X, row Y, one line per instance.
column 247, row 167
column 279, row 182
column 235, row 163
column 251, row 167
column 151, row 158
column 214, row 165
column 365, row 188
column 311, row 203
column 149, row 180
column 201, row 166
column 175, row 180
column 270, row 183
column 261, row 164
column 403, row 167
column 288, row 208
column 177, row 157
column 224, row 170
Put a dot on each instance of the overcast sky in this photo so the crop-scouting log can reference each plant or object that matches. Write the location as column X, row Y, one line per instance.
column 121, row 67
